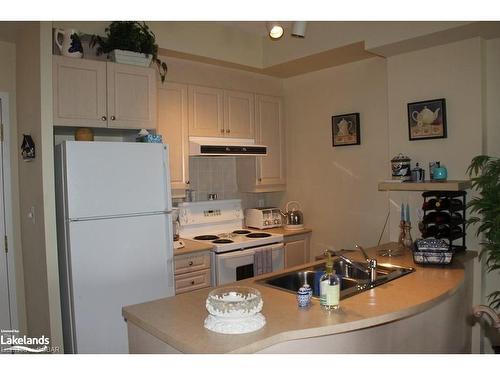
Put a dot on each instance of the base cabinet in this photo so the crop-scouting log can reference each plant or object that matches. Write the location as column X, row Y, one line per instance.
column 297, row 250
column 192, row 272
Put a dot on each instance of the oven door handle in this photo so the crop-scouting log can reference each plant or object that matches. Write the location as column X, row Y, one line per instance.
column 236, row 254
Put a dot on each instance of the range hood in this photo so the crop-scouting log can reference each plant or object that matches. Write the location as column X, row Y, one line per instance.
column 215, row 146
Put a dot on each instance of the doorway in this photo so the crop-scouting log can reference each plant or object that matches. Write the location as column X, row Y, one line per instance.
column 8, row 307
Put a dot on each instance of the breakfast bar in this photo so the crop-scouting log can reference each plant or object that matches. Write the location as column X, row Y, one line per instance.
column 426, row 311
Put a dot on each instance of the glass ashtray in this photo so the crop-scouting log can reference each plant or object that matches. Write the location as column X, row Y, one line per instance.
column 234, row 302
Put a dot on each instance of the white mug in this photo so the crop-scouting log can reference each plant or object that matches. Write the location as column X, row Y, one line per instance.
column 71, row 45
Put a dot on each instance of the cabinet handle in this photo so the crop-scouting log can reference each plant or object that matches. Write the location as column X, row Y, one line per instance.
column 192, row 282
column 190, row 263
column 113, row 118
column 260, row 179
column 222, row 131
column 228, row 130
column 188, row 182
column 103, row 118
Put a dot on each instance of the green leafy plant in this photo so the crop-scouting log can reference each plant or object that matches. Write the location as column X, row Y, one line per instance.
column 130, row 36
column 485, row 176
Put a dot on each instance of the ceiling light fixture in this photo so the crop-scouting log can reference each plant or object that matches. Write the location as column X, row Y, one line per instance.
column 299, row 29
column 275, row 30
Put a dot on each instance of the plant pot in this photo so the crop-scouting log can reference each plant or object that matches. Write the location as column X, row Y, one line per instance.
column 131, row 58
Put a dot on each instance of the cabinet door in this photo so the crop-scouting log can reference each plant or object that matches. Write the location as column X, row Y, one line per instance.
column 270, row 132
column 131, row 97
column 79, row 92
column 296, row 253
column 239, row 114
column 173, row 126
column 205, row 111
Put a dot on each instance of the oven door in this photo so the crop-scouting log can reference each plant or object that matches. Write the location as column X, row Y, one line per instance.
column 238, row 265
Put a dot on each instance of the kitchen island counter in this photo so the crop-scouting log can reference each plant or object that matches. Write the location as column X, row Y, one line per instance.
column 425, row 311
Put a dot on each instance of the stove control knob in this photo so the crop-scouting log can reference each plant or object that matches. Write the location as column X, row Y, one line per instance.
column 266, row 222
column 276, row 221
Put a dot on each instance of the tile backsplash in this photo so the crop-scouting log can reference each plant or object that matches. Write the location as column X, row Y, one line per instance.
column 217, row 175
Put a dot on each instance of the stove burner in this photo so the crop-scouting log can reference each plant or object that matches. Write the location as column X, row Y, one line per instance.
column 206, row 237
column 222, row 241
column 258, row 235
column 241, row 231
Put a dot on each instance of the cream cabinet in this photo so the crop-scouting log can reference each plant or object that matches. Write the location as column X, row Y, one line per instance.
column 215, row 112
column 173, row 126
column 192, row 272
column 103, row 94
column 206, row 117
column 297, row 249
column 265, row 173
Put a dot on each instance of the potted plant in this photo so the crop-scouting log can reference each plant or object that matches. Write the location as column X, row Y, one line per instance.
column 485, row 176
column 130, row 42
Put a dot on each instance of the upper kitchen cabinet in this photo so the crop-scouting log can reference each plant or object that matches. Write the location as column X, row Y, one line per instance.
column 79, row 88
column 239, row 112
column 265, row 173
column 103, row 94
column 216, row 112
column 206, row 111
column 173, row 126
column 131, row 96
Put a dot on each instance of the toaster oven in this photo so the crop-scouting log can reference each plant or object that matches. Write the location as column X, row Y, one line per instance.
column 263, row 218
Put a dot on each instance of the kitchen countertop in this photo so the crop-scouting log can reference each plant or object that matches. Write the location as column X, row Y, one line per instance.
column 177, row 320
column 192, row 246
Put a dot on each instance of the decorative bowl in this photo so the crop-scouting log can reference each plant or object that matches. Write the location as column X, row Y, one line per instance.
column 234, row 302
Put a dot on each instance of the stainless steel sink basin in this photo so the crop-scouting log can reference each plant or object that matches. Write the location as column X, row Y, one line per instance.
column 353, row 280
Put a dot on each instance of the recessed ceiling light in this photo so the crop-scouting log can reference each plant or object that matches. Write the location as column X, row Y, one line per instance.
column 275, row 30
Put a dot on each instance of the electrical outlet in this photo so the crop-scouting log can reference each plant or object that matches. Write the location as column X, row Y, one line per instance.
column 260, row 203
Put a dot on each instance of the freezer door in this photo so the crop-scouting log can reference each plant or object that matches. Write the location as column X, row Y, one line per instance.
column 114, row 263
column 115, row 178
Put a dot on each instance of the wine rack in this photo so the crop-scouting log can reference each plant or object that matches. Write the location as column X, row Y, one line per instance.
column 444, row 217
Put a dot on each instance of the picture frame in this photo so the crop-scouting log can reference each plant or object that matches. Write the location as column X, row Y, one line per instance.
column 427, row 119
column 346, row 130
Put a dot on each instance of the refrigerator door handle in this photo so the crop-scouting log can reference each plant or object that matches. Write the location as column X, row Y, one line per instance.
column 165, row 212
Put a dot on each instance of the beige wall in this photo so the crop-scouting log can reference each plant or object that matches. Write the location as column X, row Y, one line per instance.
column 34, row 113
column 337, row 187
column 208, row 39
column 8, row 84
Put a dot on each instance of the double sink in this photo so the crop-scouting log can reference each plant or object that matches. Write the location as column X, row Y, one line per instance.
column 353, row 279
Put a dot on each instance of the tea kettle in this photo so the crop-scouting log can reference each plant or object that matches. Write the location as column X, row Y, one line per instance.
column 293, row 216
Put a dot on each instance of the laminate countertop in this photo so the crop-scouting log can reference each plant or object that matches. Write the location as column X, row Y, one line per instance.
column 178, row 321
column 191, row 246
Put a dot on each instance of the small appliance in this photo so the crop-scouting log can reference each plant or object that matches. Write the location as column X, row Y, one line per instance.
column 238, row 253
column 293, row 215
column 263, row 218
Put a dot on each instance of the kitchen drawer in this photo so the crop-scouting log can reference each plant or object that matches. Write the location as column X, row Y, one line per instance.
column 191, row 262
column 192, row 281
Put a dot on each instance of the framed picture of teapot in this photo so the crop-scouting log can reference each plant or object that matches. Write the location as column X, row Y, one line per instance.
column 345, row 130
column 427, row 119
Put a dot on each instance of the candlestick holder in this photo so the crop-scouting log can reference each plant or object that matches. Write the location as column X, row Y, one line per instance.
column 401, row 238
column 408, row 241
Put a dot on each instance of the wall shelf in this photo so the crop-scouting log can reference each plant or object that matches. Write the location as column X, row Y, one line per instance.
column 449, row 185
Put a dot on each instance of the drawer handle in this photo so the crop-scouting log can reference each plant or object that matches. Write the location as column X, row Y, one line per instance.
column 113, row 118
column 228, row 130
column 192, row 282
column 103, row 118
column 190, row 263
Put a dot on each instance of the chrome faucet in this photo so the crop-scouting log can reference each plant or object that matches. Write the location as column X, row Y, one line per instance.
column 372, row 264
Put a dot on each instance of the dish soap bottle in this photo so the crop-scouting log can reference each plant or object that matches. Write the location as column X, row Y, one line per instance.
column 329, row 286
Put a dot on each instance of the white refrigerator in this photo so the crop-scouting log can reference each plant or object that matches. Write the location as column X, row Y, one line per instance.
column 114, row 238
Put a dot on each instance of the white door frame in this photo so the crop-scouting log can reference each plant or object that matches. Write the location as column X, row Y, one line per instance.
column 7, row 190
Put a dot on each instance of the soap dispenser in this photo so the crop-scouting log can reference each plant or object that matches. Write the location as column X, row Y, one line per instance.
column 329, row 286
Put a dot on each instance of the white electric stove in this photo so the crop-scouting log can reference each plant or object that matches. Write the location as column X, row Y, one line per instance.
column 236, row 249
